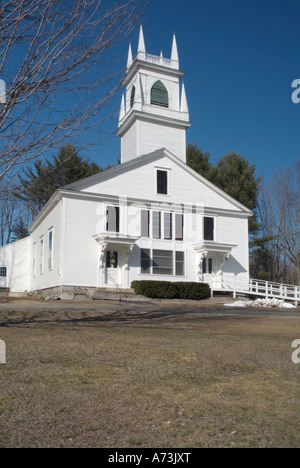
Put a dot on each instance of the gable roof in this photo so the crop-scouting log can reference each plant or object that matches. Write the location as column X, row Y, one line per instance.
column 84, row 184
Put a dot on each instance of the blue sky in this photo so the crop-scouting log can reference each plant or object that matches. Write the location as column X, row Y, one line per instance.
column 240, row 59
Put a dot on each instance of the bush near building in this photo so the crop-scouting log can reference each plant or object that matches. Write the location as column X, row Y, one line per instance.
column 169, row 290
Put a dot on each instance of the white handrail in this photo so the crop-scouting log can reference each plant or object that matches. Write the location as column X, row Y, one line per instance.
column 257, row 287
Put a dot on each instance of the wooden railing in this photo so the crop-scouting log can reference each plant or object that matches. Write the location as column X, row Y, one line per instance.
column 256, row 287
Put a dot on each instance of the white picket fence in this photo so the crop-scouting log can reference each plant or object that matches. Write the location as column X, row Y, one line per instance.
column 255, row 287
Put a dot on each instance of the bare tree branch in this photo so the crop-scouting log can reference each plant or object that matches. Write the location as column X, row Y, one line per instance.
column 54, row 58
column 280, row 215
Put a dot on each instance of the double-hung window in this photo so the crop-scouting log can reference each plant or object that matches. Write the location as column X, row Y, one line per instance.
column 163, row 262
column 156, row 221
column 50, row 250
column 209, row 227
column 41, row 255
column 162, row 182
column 145, row 223
column 168, row 234
column 179, row 227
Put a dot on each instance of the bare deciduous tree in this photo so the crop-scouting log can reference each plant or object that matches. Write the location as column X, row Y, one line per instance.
column 280, row 217
column 55, row 63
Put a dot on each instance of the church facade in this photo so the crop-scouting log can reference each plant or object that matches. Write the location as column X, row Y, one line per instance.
column 151, row 217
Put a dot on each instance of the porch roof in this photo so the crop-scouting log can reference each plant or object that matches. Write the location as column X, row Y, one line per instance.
column 216, row 247
column 115, row 238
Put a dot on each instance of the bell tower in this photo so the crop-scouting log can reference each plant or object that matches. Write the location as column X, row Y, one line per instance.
column 154, row 111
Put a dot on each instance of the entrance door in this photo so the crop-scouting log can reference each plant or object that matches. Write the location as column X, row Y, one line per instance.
column 112, row 268
column 3, row 277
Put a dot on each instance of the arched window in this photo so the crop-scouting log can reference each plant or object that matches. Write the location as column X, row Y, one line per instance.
column 132, row 97
column 159, row 95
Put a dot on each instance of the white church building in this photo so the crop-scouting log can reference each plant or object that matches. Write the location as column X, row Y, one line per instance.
column 151, row 217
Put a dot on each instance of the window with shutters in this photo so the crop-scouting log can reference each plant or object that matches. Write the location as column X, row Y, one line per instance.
column 179, row 227
column 209, row 229
column 162, row 182
column 113, row 219
column 145, row 223
column 159, row 95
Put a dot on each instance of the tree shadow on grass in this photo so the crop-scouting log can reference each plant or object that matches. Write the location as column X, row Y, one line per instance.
column 126, row 313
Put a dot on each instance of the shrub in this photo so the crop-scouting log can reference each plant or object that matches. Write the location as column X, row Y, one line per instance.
column 170, row 290
column 193, row 291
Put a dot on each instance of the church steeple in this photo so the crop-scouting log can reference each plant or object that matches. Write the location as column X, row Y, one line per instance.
column 154, row 114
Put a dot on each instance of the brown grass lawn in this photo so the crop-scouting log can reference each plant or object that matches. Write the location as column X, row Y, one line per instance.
column 105, row 375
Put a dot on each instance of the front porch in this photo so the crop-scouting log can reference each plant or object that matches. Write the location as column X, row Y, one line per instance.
column 211, row 257
column 114, row 253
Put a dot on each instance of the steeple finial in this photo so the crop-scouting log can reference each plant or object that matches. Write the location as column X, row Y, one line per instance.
column 184, row 105
column 129, row 61
column 174, row 55
column 141, row 46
